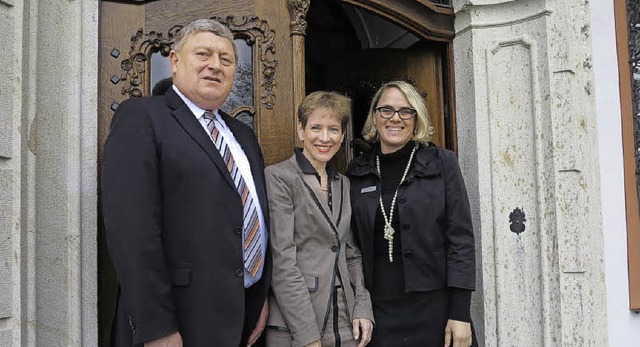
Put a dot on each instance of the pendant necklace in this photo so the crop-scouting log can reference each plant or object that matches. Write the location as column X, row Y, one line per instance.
column 388, row 229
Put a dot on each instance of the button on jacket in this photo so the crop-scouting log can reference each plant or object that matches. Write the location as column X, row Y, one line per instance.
column 434, row 214
column 172, row 215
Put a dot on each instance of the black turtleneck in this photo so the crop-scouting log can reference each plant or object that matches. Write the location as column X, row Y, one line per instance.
column 392, row 166
column 389, row 277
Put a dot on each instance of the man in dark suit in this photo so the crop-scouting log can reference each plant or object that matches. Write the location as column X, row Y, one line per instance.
column 184, row 207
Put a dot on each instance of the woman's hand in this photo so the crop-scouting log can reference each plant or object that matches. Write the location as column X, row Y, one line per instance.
column 362, row 329
column 457, row 334
column 315, row 343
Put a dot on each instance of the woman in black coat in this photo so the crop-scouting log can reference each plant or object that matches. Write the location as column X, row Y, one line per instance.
column 411, row 217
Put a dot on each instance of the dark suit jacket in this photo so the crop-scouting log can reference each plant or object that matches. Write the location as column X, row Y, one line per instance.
column 173, row 222
column 438, row 245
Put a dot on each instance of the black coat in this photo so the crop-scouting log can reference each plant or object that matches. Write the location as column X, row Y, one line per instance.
column 173, row 220
column 433, row 209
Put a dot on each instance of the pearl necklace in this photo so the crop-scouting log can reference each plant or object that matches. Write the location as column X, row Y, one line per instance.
column 388, row 229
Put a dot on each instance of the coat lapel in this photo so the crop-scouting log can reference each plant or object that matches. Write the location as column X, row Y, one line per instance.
column 337, row 200
column 190, row 124
column 312, row 182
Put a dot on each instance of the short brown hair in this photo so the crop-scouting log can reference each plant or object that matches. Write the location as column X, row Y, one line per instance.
column 333, row 101
column 199, row 25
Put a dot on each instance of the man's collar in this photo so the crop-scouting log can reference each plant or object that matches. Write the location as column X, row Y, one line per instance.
column 195, row 109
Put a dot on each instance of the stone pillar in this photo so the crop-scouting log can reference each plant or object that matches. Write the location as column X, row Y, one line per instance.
column 10, row 310
column 527, row 140
column 48, row 177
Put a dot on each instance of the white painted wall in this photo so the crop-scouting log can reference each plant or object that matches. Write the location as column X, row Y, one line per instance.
column 623, row 325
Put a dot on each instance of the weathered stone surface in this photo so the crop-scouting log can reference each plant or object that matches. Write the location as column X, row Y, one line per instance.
column 7, row 84
column 5, row 337
column 524, row 116
column 7, row 2
column 6, row 249
column 514, row 151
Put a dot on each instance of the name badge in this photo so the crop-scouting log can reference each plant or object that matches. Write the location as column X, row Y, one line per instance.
column 368, row 189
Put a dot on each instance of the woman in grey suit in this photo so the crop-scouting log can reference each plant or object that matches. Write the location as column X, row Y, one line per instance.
column 318, row 295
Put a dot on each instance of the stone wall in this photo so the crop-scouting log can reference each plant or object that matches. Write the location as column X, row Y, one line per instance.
column 48, row 178
column 526, row 128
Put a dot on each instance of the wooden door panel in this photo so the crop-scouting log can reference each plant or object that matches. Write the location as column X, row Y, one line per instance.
column 134, row 29
column 161, row 15
column 117, row 23
column 424, row 68
column 129, row 29
column 359, row 74
column 281, row 71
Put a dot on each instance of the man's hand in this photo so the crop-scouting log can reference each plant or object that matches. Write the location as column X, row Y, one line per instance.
column 459, row 332
column 173, row 340
column 262, row 322
column 315, row 343
column 362, row 326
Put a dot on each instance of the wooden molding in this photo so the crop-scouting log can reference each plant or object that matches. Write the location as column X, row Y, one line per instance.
column 135, row 66
column 420, row 17
column 298, row 10
column 628, row 149
column 252, row 29
column 255, row 30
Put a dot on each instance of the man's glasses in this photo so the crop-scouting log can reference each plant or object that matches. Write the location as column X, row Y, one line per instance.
column 405, row 113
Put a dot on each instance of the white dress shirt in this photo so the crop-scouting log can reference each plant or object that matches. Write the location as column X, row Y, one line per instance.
column 245, row 170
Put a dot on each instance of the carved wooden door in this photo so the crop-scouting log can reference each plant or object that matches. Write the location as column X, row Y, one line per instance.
column 271, row 78
column 423, row 65
column 135, row 39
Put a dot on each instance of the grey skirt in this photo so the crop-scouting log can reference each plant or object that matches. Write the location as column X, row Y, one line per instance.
column 338, row 333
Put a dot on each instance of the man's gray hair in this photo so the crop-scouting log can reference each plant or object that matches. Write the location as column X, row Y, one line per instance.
column 199, row 25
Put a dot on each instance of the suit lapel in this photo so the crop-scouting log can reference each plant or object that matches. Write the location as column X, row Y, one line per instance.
column 337, row 196
column 312, row 182
column 190, row 124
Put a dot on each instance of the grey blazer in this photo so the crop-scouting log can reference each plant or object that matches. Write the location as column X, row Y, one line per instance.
column 313, row 250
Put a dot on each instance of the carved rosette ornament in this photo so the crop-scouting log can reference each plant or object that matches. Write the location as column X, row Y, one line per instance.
column 516, row 220
column 255, row 31
column 298, row 11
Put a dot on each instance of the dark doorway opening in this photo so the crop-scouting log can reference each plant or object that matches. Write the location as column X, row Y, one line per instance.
column 353, row 51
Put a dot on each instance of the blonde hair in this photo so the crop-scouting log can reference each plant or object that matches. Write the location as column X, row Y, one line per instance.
column 332, row 101
column 422, row 129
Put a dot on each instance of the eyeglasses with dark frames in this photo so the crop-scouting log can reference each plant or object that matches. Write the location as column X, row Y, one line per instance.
column 404, row 113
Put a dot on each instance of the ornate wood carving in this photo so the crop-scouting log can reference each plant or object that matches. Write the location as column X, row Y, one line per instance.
column 141, row 48
column 298, row 11
column 252, row 29
column 257, row 32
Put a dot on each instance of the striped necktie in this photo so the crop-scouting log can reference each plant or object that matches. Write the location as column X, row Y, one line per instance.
column 252, row 244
